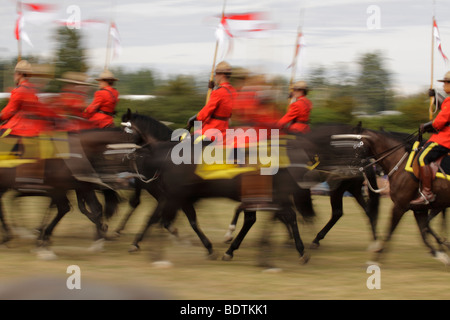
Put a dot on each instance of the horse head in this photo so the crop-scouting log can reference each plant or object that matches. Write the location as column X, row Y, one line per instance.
column 145, row 129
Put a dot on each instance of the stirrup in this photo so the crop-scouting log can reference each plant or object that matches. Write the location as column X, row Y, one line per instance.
column 426, row 200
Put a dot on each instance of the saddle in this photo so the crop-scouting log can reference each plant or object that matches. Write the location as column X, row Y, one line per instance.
column 440, row 168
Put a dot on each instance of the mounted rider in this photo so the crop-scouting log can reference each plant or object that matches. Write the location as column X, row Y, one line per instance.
column 296, row 119
column 101, row 111
column 24, row 115
column 72, row 101
column 437, row 146
column 217, row 112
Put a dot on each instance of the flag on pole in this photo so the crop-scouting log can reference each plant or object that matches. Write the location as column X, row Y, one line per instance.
column 19, row 31
column 224, row 38
column 298, row 48
column 438, row 40
column 34, row 13
column 249, row 24
column 241, row 25
column 117, row 48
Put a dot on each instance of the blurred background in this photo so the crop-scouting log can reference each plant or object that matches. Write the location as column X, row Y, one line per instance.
column 362, row 61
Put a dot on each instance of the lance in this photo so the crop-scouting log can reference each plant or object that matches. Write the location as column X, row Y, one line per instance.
column 19, row 38
column 430, row 109
column 296, row 51
column 109, row 39
column 211, row 77
column 108, row 47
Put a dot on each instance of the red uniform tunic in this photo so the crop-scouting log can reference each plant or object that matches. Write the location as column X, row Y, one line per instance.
column 298, row 115
column 217, row 111
column 24, row 114
column 101, row 111
column 70, row 105
column 441, row 124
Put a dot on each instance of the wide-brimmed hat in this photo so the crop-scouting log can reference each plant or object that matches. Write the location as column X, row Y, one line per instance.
column 75, row 78
column 300, row 85
column 446, row 77
column 106, row 75
column 223, row 67
column 23, row 66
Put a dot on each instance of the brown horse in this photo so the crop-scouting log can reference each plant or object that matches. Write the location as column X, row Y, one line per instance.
column 391, row 151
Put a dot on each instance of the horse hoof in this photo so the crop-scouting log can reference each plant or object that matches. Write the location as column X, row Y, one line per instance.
column 162, row 264
column 272, row 270
column 304, row 259
column 227, row 239
column 212, row 256
column 227, row 257
column 116, row 234
column 46, row 255
column 372, row 263
column 134, row 248
column 314, row 245
column 376, row 247
column 443, row 257
column 97, row 246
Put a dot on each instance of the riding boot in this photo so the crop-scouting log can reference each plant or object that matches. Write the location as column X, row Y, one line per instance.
column 425, row 194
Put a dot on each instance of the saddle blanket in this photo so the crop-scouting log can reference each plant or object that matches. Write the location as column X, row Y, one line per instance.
column 440, row 168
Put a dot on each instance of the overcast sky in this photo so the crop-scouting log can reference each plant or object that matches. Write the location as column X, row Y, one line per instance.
column 178, row 36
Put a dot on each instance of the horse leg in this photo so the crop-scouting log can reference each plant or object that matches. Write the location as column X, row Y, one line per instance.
column 249, row 221
column 232, row 226
column 291, row 219
column 336, row 213
column 63, row 206
column 397, row 213
column 421, row 217
column 96, row 216
column 154, row 218
column 8, row 234
column 444, row 223
column 370, row 208
column 441, row 241
column 134, row 203
column 423, row 224
column 192, row 217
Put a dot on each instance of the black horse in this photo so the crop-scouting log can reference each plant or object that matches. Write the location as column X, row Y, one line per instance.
column 56, row 181
column 337, row 167
column 181, row 186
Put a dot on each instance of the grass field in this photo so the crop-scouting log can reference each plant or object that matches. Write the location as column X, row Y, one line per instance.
column 337, row 270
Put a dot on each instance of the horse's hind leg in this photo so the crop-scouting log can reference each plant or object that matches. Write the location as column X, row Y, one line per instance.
column 8, row 234
column 396, row 215
column 154, row 218
column 232, row 226
column 192, row 217
column 134, row 203
column 336, row 213
column 249, row 221
column 96, row 216
column 291, row 219
column 63, row 206
column 369, row 206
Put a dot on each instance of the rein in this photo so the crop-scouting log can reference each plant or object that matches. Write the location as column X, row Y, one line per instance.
column 386, row 154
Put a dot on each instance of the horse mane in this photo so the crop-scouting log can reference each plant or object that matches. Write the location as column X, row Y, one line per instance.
column 151, row 126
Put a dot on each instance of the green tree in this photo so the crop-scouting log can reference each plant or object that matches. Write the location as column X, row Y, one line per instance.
column 374, row 83
column 142, row 81
column 70, row 55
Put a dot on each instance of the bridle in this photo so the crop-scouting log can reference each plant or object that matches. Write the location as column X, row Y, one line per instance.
column 130, row 128
column 377, row 158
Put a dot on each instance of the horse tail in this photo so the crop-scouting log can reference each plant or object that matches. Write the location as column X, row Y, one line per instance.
column 112, row 200
column 303, row 203
column 373, row 203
